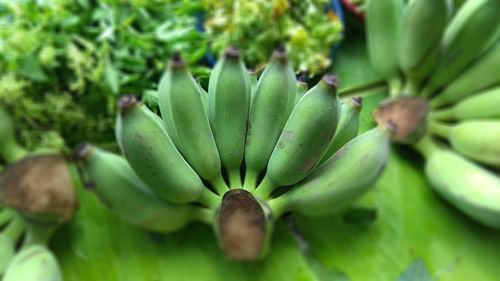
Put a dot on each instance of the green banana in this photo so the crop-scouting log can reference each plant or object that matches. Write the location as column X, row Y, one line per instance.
column 9, row 238
column 302, row 87
column 422, row 27
column 342, row 179
column 181, row 104
column 229, row 102
column 480, row 106
column 479, row 76
column 347, row 128
column 34, row 262
column 151, row 153
column 469, row 187
column 477, row 139
column 305, row 138
column 252, row 74
column 10, row 150
column 274, row 93
column 6, row 216
column 383, row 18
column 472, row 30
column 121, row 190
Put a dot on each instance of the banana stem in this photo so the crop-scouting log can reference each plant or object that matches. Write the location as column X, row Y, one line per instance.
column 426, row 146
column 444, row 114
column 362, row 90
column 5, row 216
column 220, row 185
column 395, row 86
column 427, row 91
column 279, row 206
column 411, row 87
column 15, row 229
column 250, row 180
column 265, row 188
column 209, row 199
column 38, row 234
column 440, row 129
column 203, row 215
column 234, row 179
column 12, row 152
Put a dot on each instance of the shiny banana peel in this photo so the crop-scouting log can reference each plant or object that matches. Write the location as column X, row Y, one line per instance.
column 481, row 75
column 345, row 177
column 122, row 191
column 229, row 103
column 347, row 128
column 275, row 92
column 422, row 26
column 305, row 137
column 383, row 19
column 154, row 157
column 483, row 105
column 469, row 187
column 476, row 139
column 34, row 262
column 183, row 111
column 473, row 29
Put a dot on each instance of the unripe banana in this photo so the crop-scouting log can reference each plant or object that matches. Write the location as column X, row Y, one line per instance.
column 478, row 140
column 6, row 215
column 181, row 104
column 342, row 179
column 34, row 262
column 347, row 128
column 481, row 106
column 9, row 238
column 383, row 18
column 155, row 159
column 422, row 26
column 305, row 138
column 121, row 190
column 268, row 115
column 229, row 102
column 481, row 75
column 302, row 89
column 472, row 30
column 469, row 187
column 10, row 150
column 252, row 74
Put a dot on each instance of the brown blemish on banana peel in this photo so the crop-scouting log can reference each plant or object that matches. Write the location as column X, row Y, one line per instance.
column 40, row 186
column 406, row 116
column 242, row 225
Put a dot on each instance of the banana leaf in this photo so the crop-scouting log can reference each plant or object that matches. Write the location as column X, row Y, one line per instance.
column 414, row 224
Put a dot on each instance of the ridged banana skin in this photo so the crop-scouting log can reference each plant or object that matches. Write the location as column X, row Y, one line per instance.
column 478, row 140
column 422, row 27
column 229, row 102
column 383, row 18
column 34, row 262
column 467, row 186
column 481, row 106
column 121, row 190
column 269, row 111
column 347, row 128
column 345, row 177
column 306, row 135
column 155, row 159
column 482, row 74
column 180, row 98
column 473, row 30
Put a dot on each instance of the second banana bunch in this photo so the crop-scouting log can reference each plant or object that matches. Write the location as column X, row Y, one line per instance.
column 449, row 108
column 237, row 156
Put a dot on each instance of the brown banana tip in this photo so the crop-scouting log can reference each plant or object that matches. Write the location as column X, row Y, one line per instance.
column 331, row 80
column 280, row 52
column 82, row 150
column 126, row 102
column 176, row 60
column 357, row 101
column 232, row 52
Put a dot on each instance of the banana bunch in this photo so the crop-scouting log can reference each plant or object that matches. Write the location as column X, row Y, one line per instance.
column 448, row 110
column 237, row 156
column 36, row 197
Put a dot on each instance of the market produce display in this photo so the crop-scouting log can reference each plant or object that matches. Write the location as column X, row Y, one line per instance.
column 201, row 161
column 448, row 62
column 309, row 29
